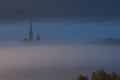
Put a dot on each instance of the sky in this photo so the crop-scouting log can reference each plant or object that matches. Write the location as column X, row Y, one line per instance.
column 59, row 21
column 66, row 23
column 92, row 10
column 60, row 32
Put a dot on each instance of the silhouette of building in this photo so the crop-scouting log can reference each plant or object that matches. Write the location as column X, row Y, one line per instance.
column 109, row 41
column 31, row 33
column 30, row 39
column 38, row 38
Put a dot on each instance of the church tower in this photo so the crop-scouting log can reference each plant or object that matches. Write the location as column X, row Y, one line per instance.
column 31, row 33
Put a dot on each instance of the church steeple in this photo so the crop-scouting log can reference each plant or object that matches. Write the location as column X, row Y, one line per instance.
column 31, row 33
column 30, row 38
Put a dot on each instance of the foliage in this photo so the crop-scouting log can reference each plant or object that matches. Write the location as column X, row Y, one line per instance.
column 81, row 77
column 101, row 75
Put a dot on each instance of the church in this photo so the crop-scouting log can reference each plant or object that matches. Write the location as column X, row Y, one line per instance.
column 30, row 38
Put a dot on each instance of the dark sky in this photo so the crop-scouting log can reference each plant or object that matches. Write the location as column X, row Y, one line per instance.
column 92, row 9
column 58, row 20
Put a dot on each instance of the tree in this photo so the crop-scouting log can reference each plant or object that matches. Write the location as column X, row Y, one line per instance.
column 114, row 76
column 81, row 77
column 99, row 75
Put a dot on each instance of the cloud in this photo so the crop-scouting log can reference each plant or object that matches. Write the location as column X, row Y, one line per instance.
column 22, row 9
column 58, row 55
column 52, row 61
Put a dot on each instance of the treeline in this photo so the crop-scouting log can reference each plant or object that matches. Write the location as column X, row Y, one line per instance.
column 100, row 75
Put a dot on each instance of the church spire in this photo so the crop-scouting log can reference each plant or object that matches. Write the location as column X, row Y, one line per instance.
column 31, row 26
column 38, row 38
column 31, row 33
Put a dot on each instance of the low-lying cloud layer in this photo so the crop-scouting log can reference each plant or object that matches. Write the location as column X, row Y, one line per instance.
column 56, row 61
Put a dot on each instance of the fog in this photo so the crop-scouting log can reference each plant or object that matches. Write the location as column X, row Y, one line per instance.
column 55, row 62
column 63, row 52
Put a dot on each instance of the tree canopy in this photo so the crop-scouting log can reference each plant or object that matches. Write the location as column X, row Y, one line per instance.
column 101, row 75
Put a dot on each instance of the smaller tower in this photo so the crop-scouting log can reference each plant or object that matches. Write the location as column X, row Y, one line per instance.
column 38, row 38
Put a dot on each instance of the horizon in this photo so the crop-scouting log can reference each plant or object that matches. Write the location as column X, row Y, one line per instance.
column 74, row 39
column 56, row 32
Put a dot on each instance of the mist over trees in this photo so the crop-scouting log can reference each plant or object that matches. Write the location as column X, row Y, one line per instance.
column 101, row 75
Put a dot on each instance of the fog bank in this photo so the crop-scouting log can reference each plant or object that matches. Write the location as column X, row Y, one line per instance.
column 56, row 61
